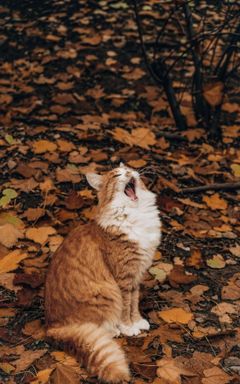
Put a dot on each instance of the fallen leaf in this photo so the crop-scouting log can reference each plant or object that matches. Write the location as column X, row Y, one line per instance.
column 141, row 137
column 213, row 93
column 74, row 201
column 9, row 235
column 33, row 214
column 39, row 235
column 235, row 250
column 175, row 315
column 217, row 262
column 159, row 274
column 11, row 260
column 236, row 169
column 8, row 217
column 64, row 374
column 215, row 202
column 170, row 370
column 35, row 329
column 7, row 368
column 27, row 358
column 215, row 375
column 42, row 146
column 137, row 163
column 8, row 195
column 68, row 174
column 178, row 276
column 195, row 260
column 42, row 377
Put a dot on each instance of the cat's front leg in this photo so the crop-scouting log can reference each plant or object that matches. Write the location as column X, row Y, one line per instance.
column 137, row 320
column 126, row 326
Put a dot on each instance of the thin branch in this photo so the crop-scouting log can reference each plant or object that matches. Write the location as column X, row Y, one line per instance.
column 213, row 187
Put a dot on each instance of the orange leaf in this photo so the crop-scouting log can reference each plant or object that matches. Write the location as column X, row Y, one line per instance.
column 175, row 315
column 42, row 146
column 215, row 201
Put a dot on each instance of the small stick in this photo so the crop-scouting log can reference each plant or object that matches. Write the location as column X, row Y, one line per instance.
column 214, row 187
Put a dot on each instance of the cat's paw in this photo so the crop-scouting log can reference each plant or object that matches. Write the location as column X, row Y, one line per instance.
column 129, row 330
column 142, row 324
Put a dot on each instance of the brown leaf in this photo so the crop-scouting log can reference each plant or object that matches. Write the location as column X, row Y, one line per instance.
column 25, row 170
column 40, row 235
column 215, row 375
column 33, row 214
column 215, row 202
column 170, row 370
column 141, row 137
column 25, row 297
column 64, row 374
column 27, row 358
column 178, row 276
column 33, row 280
column 9, row 235
column 65, row 146
column 195, row 260
column 231, row 291
column 68, row 174
column 35, row 329
column 74, row 201
column 213, row 93
column 136, row 74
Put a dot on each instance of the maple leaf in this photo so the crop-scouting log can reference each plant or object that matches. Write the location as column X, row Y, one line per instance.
column 141, row 137
column 175, row 315
column 215, row 201
column 42, row 146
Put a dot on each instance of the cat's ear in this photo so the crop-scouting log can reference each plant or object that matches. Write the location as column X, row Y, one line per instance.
column 94, row 180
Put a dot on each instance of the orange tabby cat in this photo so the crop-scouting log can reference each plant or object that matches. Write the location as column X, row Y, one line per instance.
column 92, row 286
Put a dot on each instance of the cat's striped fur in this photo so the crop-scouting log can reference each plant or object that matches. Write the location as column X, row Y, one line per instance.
column 92, row 286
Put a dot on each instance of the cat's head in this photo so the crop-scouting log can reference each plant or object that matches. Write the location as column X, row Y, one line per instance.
column 121, row 187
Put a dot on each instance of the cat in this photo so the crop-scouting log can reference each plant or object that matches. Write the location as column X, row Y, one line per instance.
column 92, row 285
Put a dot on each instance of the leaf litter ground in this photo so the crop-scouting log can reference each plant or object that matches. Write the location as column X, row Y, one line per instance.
column 75, row 97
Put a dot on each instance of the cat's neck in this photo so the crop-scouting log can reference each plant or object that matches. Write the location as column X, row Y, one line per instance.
column 140, row 223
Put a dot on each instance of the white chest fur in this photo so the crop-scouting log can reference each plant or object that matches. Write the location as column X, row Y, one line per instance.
column 138, row 220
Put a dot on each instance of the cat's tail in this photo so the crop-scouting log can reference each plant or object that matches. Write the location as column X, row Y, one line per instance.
column 101, row 355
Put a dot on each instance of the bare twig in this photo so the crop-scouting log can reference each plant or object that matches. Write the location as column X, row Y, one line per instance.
column 213, row 187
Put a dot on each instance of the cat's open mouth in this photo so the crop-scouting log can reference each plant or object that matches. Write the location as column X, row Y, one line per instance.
column 130, row 189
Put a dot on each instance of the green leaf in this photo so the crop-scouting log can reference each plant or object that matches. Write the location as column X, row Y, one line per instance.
column 10, row 139
column 8, row 195
column 217, row 262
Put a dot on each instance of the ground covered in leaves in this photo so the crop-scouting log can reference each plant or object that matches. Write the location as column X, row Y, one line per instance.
column 75, row 97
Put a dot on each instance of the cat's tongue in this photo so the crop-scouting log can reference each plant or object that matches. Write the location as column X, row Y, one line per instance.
column 131, row 193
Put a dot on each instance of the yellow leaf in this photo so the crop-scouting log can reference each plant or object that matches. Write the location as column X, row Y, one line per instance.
column 236, row 169
column 176, row 315
column 215, row 201
column 42, row 146
column 42, row 376
column 7, row 368
column 40, row 235
column 11, row 260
